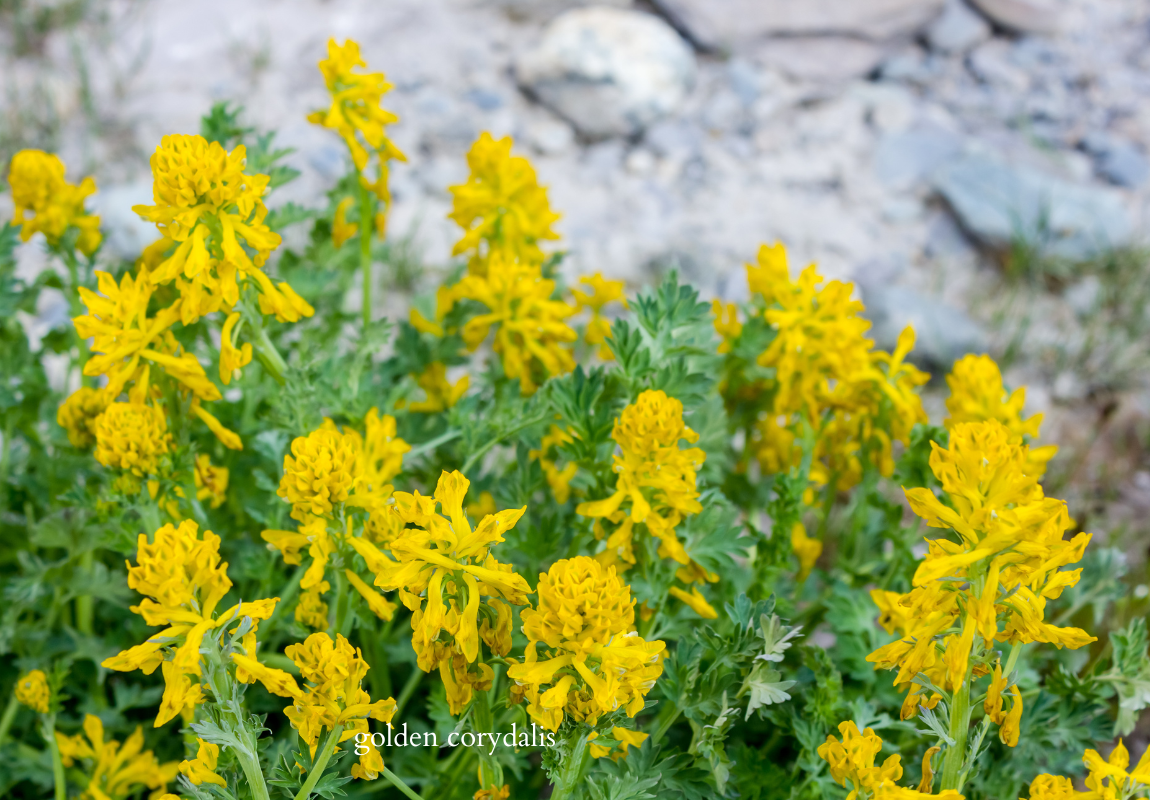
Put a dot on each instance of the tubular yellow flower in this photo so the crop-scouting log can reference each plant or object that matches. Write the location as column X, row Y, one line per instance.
column 356, row 113
column 627, row 739
column 1107, row 779
column 77, row 415
column 977, row 394
column 501, row 207
column 232, row 359
column 369, row 766
column 696, row 602
column 341, row 229
column 656, row 478
column 530, row 331
column 32, row 691
column 447, row 563
column 211, row 482
column 132, row 437
column 597, row 663
column 441, row 395
column 202, row 768
column 116, row 771
column 321, row 472
column 39, row 189
column 852, row 761
column 602, row 292
column 312, row 610
column 727, row 323
column 182, row 580
column 806, row 549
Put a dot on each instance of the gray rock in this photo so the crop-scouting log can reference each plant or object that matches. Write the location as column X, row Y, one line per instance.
column 674, row 138
column 905, row 158
column 957, row 29
column 550, row 136
column 999, row 203
column 125, row 234
column 822, row 58
column 1025, row 16
column 1123, row 164
column 731, row 24
column 608, row 71
column 943, row 333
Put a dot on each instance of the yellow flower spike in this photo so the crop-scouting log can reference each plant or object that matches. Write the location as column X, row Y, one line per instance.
column 132, row 437
column 341, row 229
column 115, row 770
column 202, row 769
column 32, row 691
column 656, row 478
column 379, row 605
column 77, row 415
column 696, row 602
column 806, row 549
column 355, row 112
column 770, row 276
column 501, row 206
column 320, row 473
column 232, row 359
column 46, row 203
column 852, row 761
column 726, row 323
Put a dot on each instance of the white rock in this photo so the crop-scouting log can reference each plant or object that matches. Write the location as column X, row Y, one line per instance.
column 610, row 72
column 125, row 234
column 822, row 58
column 733, row 23
column 550, row 136
column 957, row 29
column 1025, row 16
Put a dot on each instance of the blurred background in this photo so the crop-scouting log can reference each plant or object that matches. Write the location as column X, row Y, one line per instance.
column 977, row 167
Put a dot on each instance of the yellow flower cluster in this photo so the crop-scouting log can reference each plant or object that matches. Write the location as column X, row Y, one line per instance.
column 1108, row 779
column 132, row 437
column 77, row 415
column 356, row 114
column 656, row 486
column 858, row 399
column 328, row 470
column 977, row 394
column 46, row 203
column 182, row 580
column 993, row 583
column 334, row 697
column 117, row 771
column 32, row 691
column 602, row 292
column 852, row 761
column 501, row 208
column 440, row 393
column 594, row 661
column 202, row 768
column 443, row 570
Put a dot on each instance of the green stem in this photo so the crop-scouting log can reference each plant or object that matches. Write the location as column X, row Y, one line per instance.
column 366, row 225
column 341, row 603
column 84, row 602
column 665, row 725
column 270, row 357
column 959, row 729
column 398, row 783
column 419, row 450
column 9, row 715
column 48, row 731
column 478, row 454
column 408, row 690
column 573, row 770
column 219, row 680
column 319, row 766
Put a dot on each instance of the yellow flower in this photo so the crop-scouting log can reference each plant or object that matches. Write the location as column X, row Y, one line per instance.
column 370, row 764
column 502, row 207
column 117, row 771
column 441, row 395
column 211, row 482
column 493, row 793
column 558, row 479
column 656, row 478
column 1110, row 778
column 696, row 602
column 39, row 188
column 852, row 761
column 355, row 112
column 447, row 563
column 77, row 415
column 311, row 610
column 597, row 663
column 445, row 299
column 806, row 549
column 182, row 580
column 626, row 737
column 232, row 358
column 321, row 472
column 32, row 691
column 132, row 437
column 202, row 769
column 530, row 330
column 341, row 229
column 207, row 208
column 333, row 671
column 1053, row 787
column 727, row 323
column 602, row 292
column 977, row 394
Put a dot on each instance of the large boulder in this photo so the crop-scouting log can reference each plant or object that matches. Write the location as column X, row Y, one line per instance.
column 719, row 24
column 609, row 71
column 1001, row 203
column 1025, row 16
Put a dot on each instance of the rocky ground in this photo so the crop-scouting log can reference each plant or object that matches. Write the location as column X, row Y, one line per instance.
column 978, row 167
